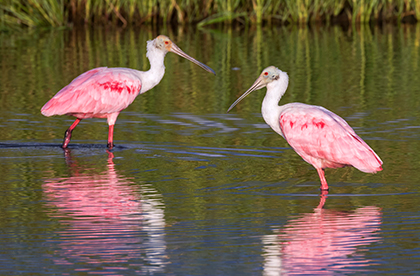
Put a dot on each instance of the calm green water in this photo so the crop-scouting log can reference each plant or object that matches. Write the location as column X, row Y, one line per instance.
column 191, row 190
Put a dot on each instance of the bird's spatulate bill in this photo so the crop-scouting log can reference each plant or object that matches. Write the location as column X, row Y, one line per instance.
column 258, row 84
column 175, row 49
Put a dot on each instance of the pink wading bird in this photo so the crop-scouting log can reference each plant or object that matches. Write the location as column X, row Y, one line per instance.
column 104, row 92
column 319, row 136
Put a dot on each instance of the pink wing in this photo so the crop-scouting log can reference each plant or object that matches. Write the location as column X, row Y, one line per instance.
column 324, row 139
column 98, row 91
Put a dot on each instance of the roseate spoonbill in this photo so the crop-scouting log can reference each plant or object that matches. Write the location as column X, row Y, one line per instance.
column 104, row 92
column 319, row 136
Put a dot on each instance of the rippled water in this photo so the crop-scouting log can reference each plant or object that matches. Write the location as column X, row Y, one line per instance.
column 191, row 190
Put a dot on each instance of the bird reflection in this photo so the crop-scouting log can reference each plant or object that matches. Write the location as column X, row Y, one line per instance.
column 106, row 218
column 322, row 242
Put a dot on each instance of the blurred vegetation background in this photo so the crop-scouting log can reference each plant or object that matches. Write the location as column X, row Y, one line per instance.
column 56, row 13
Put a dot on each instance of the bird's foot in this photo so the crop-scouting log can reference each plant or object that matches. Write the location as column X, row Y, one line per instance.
column 110, row 145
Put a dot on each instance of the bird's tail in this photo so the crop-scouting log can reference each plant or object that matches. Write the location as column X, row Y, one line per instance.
column 52, row 108
column 367, row 160
column 46, row 110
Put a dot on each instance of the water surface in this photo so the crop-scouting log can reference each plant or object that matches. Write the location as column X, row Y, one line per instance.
column 191, row 190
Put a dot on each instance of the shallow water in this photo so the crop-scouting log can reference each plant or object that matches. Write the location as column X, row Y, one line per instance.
column 191, row 190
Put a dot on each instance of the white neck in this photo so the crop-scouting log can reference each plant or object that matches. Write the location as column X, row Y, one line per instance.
column 151, row 78
column 270, row 109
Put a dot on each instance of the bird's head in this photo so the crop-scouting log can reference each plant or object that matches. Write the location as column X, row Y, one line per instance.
column 268, row 75
column 165, row 44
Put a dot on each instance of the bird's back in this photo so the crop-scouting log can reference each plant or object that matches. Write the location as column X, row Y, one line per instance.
column 98, row 91
column 324, row 139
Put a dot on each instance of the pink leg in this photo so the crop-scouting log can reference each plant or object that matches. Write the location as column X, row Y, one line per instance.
column 111, row 136
column 324, row 184
column 112, row 118
column 67, row 134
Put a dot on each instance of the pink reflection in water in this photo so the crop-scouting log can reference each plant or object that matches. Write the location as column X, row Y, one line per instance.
column 322, row 242
column 107, row 219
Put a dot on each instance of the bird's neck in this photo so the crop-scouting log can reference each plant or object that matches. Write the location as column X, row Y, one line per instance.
column 155, row 74
column 270, row 107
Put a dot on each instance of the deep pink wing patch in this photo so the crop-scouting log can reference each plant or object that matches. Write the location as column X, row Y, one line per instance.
column 98, row 91
column 324, row 139
column 116, row 86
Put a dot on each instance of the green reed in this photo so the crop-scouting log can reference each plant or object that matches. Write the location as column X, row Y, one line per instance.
column 34, row 13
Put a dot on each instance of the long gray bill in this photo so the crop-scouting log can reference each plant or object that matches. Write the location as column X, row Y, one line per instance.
column 257, row 85
column 175, row 49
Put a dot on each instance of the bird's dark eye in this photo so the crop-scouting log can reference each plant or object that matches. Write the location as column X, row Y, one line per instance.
column 166, row 42
column 265, row 73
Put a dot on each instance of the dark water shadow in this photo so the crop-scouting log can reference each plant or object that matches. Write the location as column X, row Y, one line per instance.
column 169, row 148
column 51, row 145
column 323, row 242
column 27, row 145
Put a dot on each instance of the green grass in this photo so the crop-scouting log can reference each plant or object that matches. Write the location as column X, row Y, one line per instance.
column 54, row 13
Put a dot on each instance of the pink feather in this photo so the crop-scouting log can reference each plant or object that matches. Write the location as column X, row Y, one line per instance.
column 325, row 140
column 95, row 93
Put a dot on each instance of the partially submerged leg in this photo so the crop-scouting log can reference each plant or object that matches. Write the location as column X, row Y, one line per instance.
column 112, row 118
column 324, row 184
column 110, row 137
column 67, row 134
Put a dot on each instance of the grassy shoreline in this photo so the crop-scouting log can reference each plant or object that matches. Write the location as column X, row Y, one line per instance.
column 57, row 13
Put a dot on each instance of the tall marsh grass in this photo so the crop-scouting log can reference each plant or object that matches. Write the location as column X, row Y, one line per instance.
column 34, row 13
